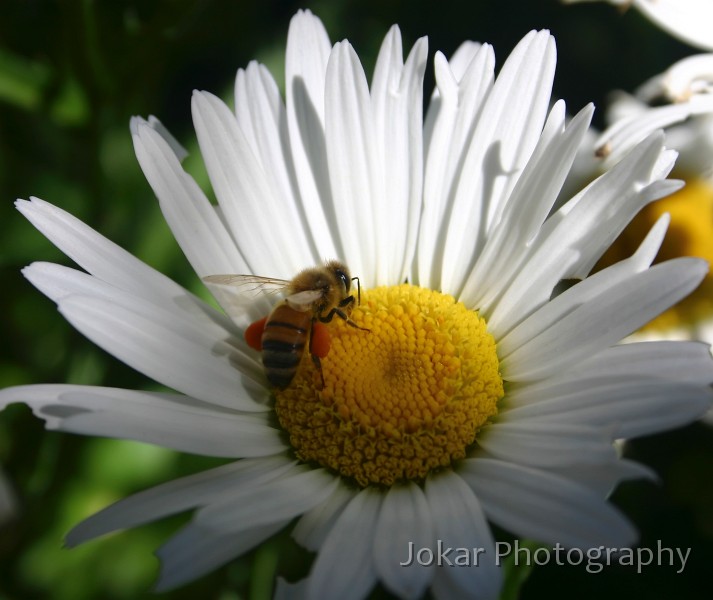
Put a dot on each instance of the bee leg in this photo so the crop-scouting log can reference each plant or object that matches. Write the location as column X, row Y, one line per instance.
column 348, row 301
column 341, row 314
column 318, row 363
column 315, row 359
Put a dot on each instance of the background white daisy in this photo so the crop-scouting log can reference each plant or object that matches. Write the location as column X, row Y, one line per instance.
column 680, row 99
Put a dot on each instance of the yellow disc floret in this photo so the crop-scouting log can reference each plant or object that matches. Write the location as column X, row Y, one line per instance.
column 400, row 400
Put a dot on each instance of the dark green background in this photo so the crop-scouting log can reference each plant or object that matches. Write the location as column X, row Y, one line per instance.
column 71, row 76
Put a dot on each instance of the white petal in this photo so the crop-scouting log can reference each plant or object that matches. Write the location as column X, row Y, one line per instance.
column 586, row 291
column 503, row 140
column 189, row 316
column 455, row 109
column 176, row 353
column 275, row 500
column 405, row 519
column 527, row 208
column 682, row 361
column 344, row 567
column 196, row 226
column 308, row 50
column 627, row 409
column 58, row 282
column 624, row 134
column 460, row 523
column 688, row 20
column 573, row 239
column 179, row 495
column 540, row 443
column 168, row 420
column 178, row 150
column 285, row 590
column 114, row 266
column 602, row 479
column 196, row 550
column 686, row 77
column 455, row 69
column 260, row 115
column 99, row 256
column 538, row 505
column 693, row 140
column 313, row 527
column 623, row 105
column 632, row 364
column 596, row 324
column 397, row 96
column 249, row 204
column 354, row 169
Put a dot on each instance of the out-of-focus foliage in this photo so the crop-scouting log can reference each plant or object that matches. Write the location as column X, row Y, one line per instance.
column 72, row 73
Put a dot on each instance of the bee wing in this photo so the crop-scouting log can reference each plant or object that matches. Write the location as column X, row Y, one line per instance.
column 244, row 297
column 303, row 301
column 268, row 285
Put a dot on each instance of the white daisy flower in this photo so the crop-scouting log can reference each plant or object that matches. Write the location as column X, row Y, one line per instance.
column 682, row 80
column 688, row 20
column 691, row 212
column 476, row 396
column 683, row 91
column 681, row 100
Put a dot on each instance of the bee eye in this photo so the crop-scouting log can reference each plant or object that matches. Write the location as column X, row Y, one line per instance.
column 346, row 282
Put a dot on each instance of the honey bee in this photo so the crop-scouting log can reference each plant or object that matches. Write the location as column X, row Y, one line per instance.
column 313, row 296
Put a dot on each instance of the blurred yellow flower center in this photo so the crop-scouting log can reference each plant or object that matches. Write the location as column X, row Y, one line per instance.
column 400, row 400
column 690, row 234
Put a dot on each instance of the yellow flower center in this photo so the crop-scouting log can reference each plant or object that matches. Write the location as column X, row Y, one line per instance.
column 400, row 400
column 690, row 234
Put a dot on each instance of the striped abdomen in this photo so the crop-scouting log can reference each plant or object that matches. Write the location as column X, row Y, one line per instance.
column 283, row 343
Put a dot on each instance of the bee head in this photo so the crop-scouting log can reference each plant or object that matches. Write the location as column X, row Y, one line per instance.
column 344, row 279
